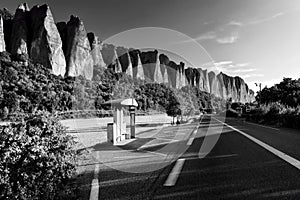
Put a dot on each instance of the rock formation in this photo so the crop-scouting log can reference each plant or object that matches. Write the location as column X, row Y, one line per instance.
column 62, row 29
column 116, row 63
column 67, row 49
column 203, row 80
column 129, row 70
column 157, row 76
column 178, row 79
column 183, row 77
column 230, row 87
column 176, row 76
column 20, row 32
column 149, row 59
column 164, row 63
column 107, row 53
column 96, row 47
column 139, row 69
column 7, row 19
column 78, row 50
column 46, row 44
column 214, row 84
column 190, row 76
column 2, row 41
column 222, row 88
column 242, row 89
column 165, row 74
column 172, row 73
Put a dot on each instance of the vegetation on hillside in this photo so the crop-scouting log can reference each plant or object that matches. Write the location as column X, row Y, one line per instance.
column 32, row 87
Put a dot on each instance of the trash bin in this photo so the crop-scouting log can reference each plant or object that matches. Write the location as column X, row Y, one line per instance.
column 110, row 131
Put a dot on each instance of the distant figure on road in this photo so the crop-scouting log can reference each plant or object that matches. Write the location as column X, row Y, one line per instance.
column 177, row 123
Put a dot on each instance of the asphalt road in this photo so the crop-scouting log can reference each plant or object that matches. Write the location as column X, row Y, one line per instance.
column 248, row 161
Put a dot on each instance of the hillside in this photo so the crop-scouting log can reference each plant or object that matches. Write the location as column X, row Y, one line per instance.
column 69, row 51
column 26, row 87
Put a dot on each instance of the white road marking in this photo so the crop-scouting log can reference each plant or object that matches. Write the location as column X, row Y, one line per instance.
column 190, row 141
column 94, row 190
column 294, row 162
column 94, row 194
column 173, row 176
column 263, row 126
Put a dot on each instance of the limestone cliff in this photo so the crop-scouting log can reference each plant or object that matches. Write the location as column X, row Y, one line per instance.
column 96, row 47
column 116, row 62
column 129, row 70
column 139, row 68
column 6, row 27
column 203, row 80
column 151, row 64
column 157, row 76
column 68, row 50
column 78, row 50
column 2, row 41
column 20, row 31
column 46, row 44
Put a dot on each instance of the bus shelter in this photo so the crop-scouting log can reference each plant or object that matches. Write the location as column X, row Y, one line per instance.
column 116, row 131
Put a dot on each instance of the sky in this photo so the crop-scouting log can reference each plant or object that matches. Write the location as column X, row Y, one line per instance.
column 258, row 40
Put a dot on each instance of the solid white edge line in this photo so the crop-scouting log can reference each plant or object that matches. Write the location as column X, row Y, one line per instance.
column 294, row 162
column 173, row 176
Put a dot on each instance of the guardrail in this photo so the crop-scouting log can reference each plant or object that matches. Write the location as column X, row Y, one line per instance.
column 90, row 113
column 79, row 113
column 98, row 113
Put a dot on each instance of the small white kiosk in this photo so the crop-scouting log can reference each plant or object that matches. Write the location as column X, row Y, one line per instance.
column 116, row 131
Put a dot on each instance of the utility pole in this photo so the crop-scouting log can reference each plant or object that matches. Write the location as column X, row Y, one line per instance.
column 259, row 85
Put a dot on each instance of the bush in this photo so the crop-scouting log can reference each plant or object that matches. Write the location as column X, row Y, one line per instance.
column 36, row 158
column 275, row 109
column 276, row 114
column 4, row 113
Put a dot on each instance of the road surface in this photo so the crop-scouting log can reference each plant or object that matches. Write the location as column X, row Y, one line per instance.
column 248, row 161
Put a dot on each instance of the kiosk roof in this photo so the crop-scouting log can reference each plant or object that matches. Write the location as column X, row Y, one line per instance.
column 121, row 102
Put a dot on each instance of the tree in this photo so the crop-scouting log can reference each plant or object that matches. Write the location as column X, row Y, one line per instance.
column 173, row 108
column 286, row 92
column 11, row 101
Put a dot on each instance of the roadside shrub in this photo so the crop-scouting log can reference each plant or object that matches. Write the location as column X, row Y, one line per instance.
column 4, row 113
column 36, row 158
column 276, row 114
column 275, row 109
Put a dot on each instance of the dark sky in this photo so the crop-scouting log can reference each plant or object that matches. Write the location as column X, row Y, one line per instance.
column 258, row 40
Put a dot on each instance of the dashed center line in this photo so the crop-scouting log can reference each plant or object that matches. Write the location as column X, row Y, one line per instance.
column 173, row 176
column 94, row 194
column 190, row 141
